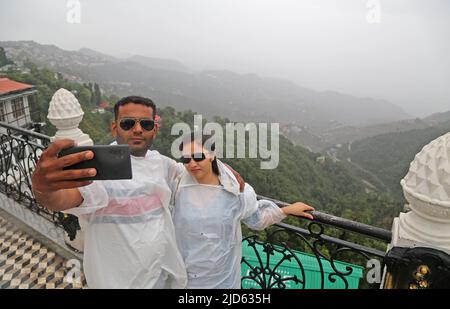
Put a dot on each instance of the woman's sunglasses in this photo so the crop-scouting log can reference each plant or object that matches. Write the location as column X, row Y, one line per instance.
column 197, row 157
column 129, row 123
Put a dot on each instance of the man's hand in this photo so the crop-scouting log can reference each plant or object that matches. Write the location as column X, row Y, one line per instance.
column 238, row 177
column 49, row 177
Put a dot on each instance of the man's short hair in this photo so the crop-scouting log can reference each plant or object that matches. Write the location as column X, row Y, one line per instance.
column 135, row 100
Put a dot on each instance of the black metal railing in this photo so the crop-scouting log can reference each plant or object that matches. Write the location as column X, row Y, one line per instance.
column 327, row 252
column 333, row 261
column 20, row 150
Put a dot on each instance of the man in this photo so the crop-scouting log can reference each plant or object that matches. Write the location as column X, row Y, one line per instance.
column 129, row 234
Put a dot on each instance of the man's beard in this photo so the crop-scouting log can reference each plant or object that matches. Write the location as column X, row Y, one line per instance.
column 137, row 152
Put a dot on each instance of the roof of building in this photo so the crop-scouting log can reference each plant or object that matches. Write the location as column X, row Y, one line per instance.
column 10, row 86
column 104, row 104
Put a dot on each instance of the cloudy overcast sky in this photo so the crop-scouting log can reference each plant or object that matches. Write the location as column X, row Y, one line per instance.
column 319, row 44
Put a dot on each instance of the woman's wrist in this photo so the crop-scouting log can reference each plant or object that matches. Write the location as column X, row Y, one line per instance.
column 286, row 210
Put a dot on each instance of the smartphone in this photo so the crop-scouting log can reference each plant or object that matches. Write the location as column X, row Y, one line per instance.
column 111, row 161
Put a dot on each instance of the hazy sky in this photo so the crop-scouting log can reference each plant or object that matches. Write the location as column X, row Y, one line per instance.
column 319, row 44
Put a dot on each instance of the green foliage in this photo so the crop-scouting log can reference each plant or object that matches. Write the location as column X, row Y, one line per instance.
column 327, row 186
column 388, row 156
column 324, row 184
column 47, row 83
column 3, row 59
column 97, row 94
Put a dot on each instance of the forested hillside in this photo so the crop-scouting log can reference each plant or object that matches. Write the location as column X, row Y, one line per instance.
column 388, row 156
column 300, row 175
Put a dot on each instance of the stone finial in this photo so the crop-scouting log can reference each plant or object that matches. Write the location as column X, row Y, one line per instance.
column 427, row 189
column 65, row 113
column 428, row 179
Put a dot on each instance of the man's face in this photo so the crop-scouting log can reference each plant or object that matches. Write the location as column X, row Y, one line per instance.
column 137, row 137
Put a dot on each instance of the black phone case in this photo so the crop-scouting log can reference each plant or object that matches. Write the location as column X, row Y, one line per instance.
column 110, row 161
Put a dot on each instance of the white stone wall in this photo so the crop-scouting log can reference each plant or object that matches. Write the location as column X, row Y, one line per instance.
column 24, row 119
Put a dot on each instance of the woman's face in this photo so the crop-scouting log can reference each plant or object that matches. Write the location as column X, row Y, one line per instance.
column 201, row 169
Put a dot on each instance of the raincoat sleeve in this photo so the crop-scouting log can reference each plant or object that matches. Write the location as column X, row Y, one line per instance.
column 174, row 170
column 258, row 215
column 95, row 197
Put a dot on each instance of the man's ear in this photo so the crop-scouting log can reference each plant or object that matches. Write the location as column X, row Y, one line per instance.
column 114, row 128
column 156, row 128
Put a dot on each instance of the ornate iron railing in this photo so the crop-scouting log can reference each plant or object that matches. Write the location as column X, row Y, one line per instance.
column 273, row 254
column 338, row 249
column 20, row 150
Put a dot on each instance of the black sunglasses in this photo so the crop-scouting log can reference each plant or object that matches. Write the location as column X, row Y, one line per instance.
column 197, row 157
column 129, row 123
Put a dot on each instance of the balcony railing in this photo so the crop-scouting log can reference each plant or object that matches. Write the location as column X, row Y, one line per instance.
column 333, row 260
column 20, row 150
column 327, row 252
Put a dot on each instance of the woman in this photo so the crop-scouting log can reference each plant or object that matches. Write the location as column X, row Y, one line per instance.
column 207, row 211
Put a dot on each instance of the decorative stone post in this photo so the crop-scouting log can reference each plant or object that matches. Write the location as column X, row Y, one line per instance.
column 65, row 113
column 418, row 255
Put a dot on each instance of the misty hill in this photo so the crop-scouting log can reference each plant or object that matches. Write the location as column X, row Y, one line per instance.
column 96, row 55
column 52, row 56
column 438, row 118
column 242, row 97
column 300, row 175
column 323, row 141
column 157, row 63
column 383, row 160
column 326, row 139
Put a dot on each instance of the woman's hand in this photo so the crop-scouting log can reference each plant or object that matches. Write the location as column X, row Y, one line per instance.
column 298, row 209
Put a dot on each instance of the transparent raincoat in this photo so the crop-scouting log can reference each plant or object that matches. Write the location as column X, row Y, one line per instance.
column 129, row 233
column 207, row 221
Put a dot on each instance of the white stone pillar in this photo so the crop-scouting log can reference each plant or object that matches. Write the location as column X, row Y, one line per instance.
column 427, row 189
column 65, row 113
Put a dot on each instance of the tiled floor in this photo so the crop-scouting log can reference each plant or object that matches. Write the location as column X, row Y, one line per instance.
column 27, row 264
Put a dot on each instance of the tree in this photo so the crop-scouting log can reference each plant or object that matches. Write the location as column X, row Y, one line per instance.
column 91, row 89
column 97, row 94
column 3, row 59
